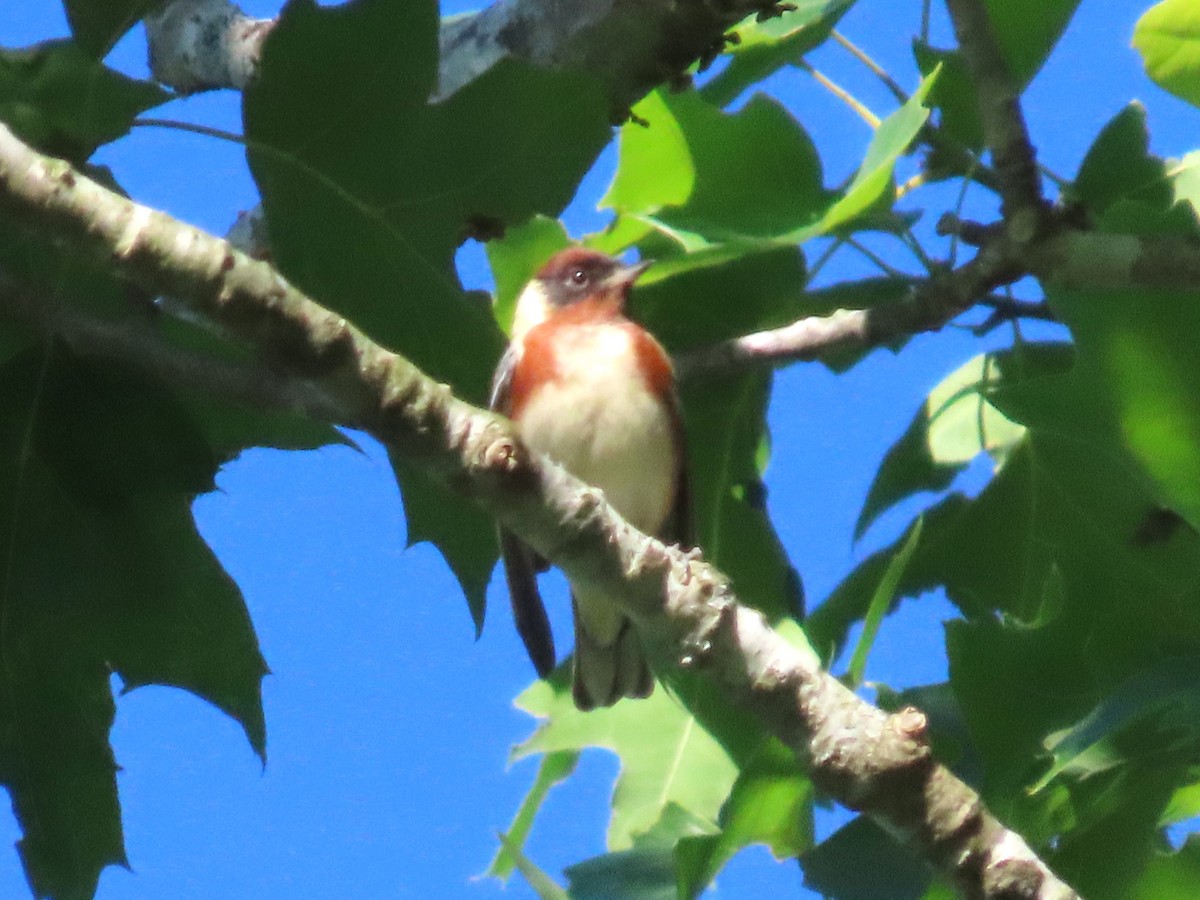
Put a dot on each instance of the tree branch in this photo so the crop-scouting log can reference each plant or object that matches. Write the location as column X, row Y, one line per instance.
column 198, row 45
column 1004, row 127
column 685, row 609
column 931, row 303
column 631, row 47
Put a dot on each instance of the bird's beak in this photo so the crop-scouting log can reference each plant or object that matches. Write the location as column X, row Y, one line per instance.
column 625, row 276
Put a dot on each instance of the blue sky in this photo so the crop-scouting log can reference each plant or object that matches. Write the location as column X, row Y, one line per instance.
column 388, row 724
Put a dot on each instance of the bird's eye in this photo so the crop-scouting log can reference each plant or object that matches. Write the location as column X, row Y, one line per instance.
column 579, row 277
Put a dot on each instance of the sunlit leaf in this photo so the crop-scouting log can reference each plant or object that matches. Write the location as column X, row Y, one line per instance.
column 771, row 803
column 666, row 756
column 953, row 95
column 763, row 47
column 515, row 258
column 873, row 180
column 543, row 885
column 954, row 425
column 721, row 176
column 884, row 597
column 552, row 770
column 1168, row 37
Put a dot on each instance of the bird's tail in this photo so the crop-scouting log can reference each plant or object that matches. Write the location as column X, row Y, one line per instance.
column 609, row 660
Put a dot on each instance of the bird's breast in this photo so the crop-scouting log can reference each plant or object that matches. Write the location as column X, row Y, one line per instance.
column 590, row 401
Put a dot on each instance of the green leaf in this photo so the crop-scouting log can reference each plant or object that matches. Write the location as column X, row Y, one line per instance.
column 1043, row 545
column 684, row 298
column 953, row 95
column 1171, row 876
column 1161, row 702
column 230, row 427
column 1107, row 822
column 1117, row 842
column 98, row 468
column 885, row 596
column 1185, row 804
column 543, row 885
column 1143, row 367
column 655, row 166
column 828, row 625
column 515, row 258
column 366, row 210
column 666, row 756
column 954, row 425
column 64, row 102
column 1027, row 31
column 835, row 869
column 625, row 875
column 1168, row 37
column 99, row 24
column 725, row 176
column 453, row 524
column 1119, row 165
column 1184, row 178
column 763, row 47
column 554, row 768
column 872, row 184
column 771, row 803
column 727, row 447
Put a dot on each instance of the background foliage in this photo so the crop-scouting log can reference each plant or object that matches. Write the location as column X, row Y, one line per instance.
column 1074, row 572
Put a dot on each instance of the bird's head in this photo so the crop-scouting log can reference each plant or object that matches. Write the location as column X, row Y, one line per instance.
column 576, row 279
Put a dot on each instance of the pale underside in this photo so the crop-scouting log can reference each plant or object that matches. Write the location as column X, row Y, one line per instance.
column 602, row 424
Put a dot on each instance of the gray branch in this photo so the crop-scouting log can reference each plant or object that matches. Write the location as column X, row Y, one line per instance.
column 876, row 763
column 1004, row 126
column 630, row 45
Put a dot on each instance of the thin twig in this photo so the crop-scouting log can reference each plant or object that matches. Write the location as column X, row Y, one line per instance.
column 192, row 127
column 910, row 240
column 1008, row 309
column 874, row 258
column 841, row 93
column 862, row 56
column 815, row 269
column 911, row 184
column 1004, row 126
column 958, row 207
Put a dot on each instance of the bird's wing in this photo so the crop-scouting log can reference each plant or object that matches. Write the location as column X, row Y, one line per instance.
column 501, row 393
column 521, row 564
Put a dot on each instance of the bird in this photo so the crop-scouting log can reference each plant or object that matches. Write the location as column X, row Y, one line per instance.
column 595, row 392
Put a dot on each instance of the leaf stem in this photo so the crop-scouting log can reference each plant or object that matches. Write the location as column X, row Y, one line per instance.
column 863, row 57
column 841, row 93
column 875, row 258
column 194, row 128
